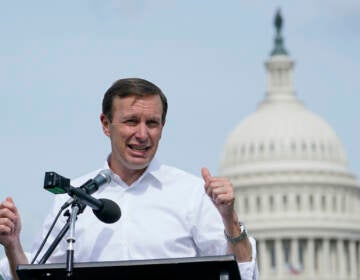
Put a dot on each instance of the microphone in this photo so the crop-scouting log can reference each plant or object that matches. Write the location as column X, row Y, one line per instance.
column 93, row 185
column 105, row 210
column 90, row 186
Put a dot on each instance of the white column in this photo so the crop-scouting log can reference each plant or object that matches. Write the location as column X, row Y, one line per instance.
column 266, row 204
column 326, row 260
column 291, row 203
column 279, row 255
column 310, row 259
column 278, row 202
column 341, row 258
column 338, row 205
column 294, row 251
column 264, row 257
column 252, row 205
column 352, row 255
column 333, row 266
column 241, row 205
column 317, row 202
column 305, row 207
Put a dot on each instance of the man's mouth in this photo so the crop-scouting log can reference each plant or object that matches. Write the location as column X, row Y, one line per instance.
column 139, row 148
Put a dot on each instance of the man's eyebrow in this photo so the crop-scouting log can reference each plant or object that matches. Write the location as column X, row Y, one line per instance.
column 155, row 118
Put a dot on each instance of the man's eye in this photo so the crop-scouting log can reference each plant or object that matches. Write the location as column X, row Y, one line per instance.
column 131, row 122
column 153, row 123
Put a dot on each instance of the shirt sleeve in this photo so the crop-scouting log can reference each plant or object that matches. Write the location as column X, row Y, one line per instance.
column 249, row 270
column 5, row 272
column 4, row 269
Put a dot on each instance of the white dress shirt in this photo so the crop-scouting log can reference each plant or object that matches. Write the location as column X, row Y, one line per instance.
column 165, row 214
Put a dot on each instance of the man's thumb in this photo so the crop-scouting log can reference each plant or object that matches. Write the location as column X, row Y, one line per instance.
column 205, row 174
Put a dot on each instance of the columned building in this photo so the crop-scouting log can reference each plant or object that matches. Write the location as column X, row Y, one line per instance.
column 293, row 185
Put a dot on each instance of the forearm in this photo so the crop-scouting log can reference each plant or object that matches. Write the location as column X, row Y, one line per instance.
column 15, row 256
column 221, row 192
column 241, row 249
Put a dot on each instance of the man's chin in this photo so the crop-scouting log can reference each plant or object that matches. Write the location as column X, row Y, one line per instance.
column 139, row 165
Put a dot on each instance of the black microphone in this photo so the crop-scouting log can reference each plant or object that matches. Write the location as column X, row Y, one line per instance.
column 104, row 209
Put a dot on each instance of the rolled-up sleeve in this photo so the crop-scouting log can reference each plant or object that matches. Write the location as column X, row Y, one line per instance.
column 5, row 272
column 4, row 269
column 249, row 270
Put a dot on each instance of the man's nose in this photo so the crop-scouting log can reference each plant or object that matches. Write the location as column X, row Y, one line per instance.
column 141, row 132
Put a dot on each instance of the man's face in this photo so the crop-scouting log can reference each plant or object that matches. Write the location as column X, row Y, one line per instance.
column 135, row 131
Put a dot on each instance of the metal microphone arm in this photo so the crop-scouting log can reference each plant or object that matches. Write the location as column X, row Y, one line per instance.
column 61, row 234
column 55, row 242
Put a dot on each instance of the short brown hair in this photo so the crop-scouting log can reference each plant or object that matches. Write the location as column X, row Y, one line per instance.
column 132, row 86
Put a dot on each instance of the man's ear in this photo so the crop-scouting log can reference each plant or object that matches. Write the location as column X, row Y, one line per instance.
column 163, row 125
column 105, row 122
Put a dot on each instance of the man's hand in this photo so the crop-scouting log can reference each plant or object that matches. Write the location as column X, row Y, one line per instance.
column 10, row 224
column 221, row 192
column 10, row 227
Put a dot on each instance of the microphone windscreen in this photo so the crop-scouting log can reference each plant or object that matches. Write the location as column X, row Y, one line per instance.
column 109, row 213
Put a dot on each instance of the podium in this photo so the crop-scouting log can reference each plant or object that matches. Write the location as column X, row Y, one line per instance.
column 207, row 268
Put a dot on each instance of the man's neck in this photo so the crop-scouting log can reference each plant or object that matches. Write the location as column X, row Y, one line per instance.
column 131, row 177
column 128, row 175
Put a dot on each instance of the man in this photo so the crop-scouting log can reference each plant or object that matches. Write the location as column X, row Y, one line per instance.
column 166, row 212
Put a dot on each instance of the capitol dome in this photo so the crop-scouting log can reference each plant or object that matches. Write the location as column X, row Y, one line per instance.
column 292, row 184
column 283, row 130
column 278, row 131
column 282, row 134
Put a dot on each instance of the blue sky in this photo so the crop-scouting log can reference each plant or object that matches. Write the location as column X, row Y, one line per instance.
column 58, row 58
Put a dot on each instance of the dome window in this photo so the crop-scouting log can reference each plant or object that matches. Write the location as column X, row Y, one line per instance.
column 261, row 148
column 304, row 147
column 323, row 202
column 334, row 206
column 242, row 150
column 311, row 202
column 298, row 202
column 285, row 202
column 258, row 204
column 251, row 149
column 271, row 203
column 246, row 205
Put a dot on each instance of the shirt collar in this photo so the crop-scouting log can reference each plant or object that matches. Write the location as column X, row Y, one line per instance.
column 152, row 171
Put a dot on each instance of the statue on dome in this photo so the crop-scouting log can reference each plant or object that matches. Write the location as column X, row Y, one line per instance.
column 279, row 48
column 278, row 21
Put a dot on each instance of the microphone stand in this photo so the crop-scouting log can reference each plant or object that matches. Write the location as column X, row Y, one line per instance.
column 77, row 208
column 56, row 240
column 71, row 240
